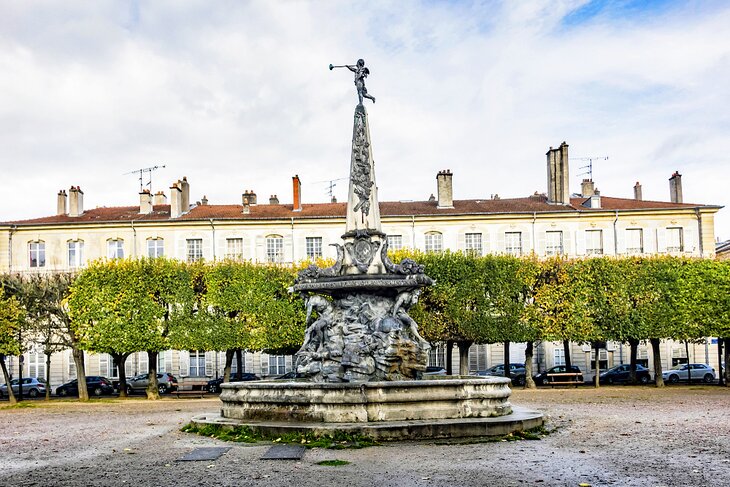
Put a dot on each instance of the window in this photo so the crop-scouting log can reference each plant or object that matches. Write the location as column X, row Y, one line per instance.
column 559, row 356
column 115, row 249
column 164, row 361
column 37, row 254
column 144, row 363
column 234, row 248
column 675, row 240
column 594, row 242
column 276, row 365
column 554, row 243
column 513, row 243
column 314, row 247
column 434, row 242
column 75, row 253
column 155, row 247
column 105, row 364
column 395, row 242
column 37, row 365
column 437, row 356
column 473, row 243
column 71, row 365
column 195, row 249
column 275, row 248
column 197, row 363
column 634, row 241
column 602, row 360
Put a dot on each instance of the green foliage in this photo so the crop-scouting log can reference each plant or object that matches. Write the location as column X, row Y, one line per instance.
column 11, row 319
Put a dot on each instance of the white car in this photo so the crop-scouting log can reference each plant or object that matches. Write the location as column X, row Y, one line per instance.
column 32, row 387
column 698, row 372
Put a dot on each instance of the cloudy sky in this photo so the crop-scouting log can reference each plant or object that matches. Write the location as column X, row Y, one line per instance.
column 237, row 95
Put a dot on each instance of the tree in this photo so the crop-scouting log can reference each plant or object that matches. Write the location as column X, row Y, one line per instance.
column 11, row 319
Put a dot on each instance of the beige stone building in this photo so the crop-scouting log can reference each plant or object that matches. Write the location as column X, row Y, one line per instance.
column 558, row 222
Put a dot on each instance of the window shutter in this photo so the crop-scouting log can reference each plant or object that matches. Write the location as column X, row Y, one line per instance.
column 661, row 240
column 621, row 241
column 184, row 363
column 209, row 364
column 289, row 254
column 168, row 361
column 691, row 242
column 580, row 242
column 461, row 242
column 540, row 243
column 128, row 366
column 259, row 252
column 499, row 247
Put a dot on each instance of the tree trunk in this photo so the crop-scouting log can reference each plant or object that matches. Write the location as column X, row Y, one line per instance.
column 20, row 378
column 121, row 360
column 566, row 350
column 657, row 354
column 6, row 376
column 449, row 364
column 227, row 367
column 597, row 368
column 48, row 376
column 505, row 358
column 726, row 342
column 689, row 369
column 152, row 391
column 633, row 358
column 239, row 363
column 464, row 356
column 78, row 356
column 529, row 383
column 720, row 372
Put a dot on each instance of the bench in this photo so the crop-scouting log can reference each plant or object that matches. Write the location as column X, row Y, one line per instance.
column 197, row 390
column 564, row 379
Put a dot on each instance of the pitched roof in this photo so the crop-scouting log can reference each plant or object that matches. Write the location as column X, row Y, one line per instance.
column 535, row 203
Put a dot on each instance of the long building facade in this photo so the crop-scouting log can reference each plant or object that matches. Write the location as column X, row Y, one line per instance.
column 556, row 223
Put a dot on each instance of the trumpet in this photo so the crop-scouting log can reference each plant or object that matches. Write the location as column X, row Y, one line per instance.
column 332, row 66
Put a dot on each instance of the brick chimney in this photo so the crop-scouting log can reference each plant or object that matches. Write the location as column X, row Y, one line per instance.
column 273, row 200
column 637, row 191
column 62, row 203
column 159, row 199
column 75, row 201
column 246, row 202
column 444, row 189
column 252, row 198
column 586, row 188
column 185, row 195
column 297, row 188
column 675, row 188
column 175, row 201
column 557, row 172
column 145, row 202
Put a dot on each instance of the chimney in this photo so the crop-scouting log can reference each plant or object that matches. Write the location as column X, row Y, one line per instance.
column 159, row 199
column 675, row 188
column 431, row 198
column 185, row 195
column 333, row 199
column 297, row 186
column 444, row 189
column 586, row 188
column 246, row 201
column 251, row 198
column 62, row 203
column 637, row 191
column 145, row 202
column 557, row 172
column 204, row 201
column 75, row 201
column 273, row 200
column 175, row 201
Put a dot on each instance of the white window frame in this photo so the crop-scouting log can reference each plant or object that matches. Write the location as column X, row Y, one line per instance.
column 512, row 247
column 37, row 364
column 559, row 356
column 473, row 243
column 675, row 245
column 194, row 249
column 234, row 248
column 75, row 253
column 395, row 242
column 593, row 248
column 631, row 247
column 275, row 249
column 115, row 248
column 196, row 363
column 434, row 242
column 553, row 247
column 155, row 247
column 313, row 247
column 37, row 249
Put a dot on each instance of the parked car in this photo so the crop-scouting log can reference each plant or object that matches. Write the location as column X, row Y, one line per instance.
column 95, row 385
column 214, row 386
column 32, row 387
column 166, row 383
column 622, row 373
column 516, row 373
column 702, row 372
column 290, row 376
column 542, row 377
column 434, row 370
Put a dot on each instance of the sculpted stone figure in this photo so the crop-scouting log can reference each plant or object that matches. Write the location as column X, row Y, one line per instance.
column 403, row 302
column 361, row 72
column 314, row 335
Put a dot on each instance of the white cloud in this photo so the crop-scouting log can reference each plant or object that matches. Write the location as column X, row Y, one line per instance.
column 238, row 96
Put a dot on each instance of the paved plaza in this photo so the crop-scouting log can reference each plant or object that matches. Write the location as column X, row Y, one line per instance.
column 613, row 436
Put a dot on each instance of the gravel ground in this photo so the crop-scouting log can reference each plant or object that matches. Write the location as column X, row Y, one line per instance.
column 612, row 436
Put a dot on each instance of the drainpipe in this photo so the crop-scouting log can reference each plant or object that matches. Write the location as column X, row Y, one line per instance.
column 134, row 240
column 534, row 220
column 413, row 231
column 699, row 231
column 13, row 229
column 293, row 246
column 615, row 235
column 212, row 245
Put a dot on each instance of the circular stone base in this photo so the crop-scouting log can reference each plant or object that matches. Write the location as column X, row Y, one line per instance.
column 519, row 420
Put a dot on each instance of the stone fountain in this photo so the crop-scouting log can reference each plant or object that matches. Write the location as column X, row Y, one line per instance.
column 362, row 355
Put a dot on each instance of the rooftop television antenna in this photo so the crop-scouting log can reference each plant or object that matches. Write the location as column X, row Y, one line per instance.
column 142, row 172
column 331, row 183
column 589, row 166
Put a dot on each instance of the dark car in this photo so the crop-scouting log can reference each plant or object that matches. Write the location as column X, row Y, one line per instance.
column 542, row 377
column 432, row 370
column 290, row 376
column 622, row 374
column 516, row 373
column 95, row 385
column 214, row 386
column 166, row 383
